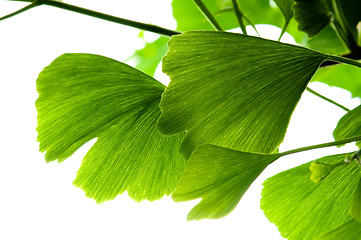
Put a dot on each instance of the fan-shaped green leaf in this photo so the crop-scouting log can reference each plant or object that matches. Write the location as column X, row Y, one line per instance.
column 350, row 230
column 233, row 90
column 286, row 8
column 349, row 125
column 219, row 176
column 356, row 203
column 312, row 15
column 302, row 209
column 84, row 96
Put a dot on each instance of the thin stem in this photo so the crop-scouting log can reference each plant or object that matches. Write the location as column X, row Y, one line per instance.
column 239, row 16
column 322, row 145
column 30, row 6
column 327, row 99
column 208, row 15
column 110, row 18
column 344, row 60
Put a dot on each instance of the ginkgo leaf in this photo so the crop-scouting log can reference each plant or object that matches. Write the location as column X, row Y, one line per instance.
column 302, row 209
column 85, row 96
column 220, row 176
column 233, row 90
column 349, row 125
column 350, row 230
column 356, row 203
column 312, row 15
column 286, row 8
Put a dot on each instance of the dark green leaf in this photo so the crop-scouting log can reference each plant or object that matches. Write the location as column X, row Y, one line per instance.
column 350, row 230
column 312, row 16
column 342, row 76
column 219, row 176
column 352, row 13
column 286, row 8
column 349, row 125
column 149, row 57
column 84, row 96
column 233, row 90
column 302, row 209
column 356, row 204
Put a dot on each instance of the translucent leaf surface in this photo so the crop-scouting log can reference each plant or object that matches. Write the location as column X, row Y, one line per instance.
column 320, row 170
column 149, row 57
column 302, row 209
column 312, row 16
column 84, row 96
column 351, row 230
column 242, row 94
column 356, row 204
column 219, row 176
column 349, row 125
column 342, row 76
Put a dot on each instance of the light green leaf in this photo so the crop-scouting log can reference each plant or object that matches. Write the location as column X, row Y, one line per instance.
column 356, row 203
column 84, row 96
column 342, row 76
column 302, row 209
column 320, row 170
column 233, row 90
column 312, row 15
column 219, row 176
column 350, row 230
column 149, row 57
column 349, row 125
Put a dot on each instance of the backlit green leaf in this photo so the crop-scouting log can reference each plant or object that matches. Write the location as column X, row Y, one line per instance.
column 84, row 96
column 302, row 209
column 349, row 125
column 350, row 230
column 219, row 176
column 286, row 8
column 233, row 90
column 312, row 15
column 356, row 203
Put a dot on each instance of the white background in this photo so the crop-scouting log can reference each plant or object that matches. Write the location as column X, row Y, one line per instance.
column 38, row 200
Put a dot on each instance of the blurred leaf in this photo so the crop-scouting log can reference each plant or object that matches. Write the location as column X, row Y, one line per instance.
column 312, row 16
column 350, row 230
column 286, row 8
column 149, row 57
column 352, row 13
column 84, row 96
column 245, row 104
column 189, row 17
column 219, row 176
column 356, row 204
column 302, row 209
column 349, row 125
column 326, row 41
column 342, row 76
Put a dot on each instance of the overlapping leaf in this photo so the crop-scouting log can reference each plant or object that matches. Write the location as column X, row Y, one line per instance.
column 349, row 125
column 302, row 209
column 219, row 176
column 84, row 96
column 312, row 15
column 233, row 90
column 350, row 230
